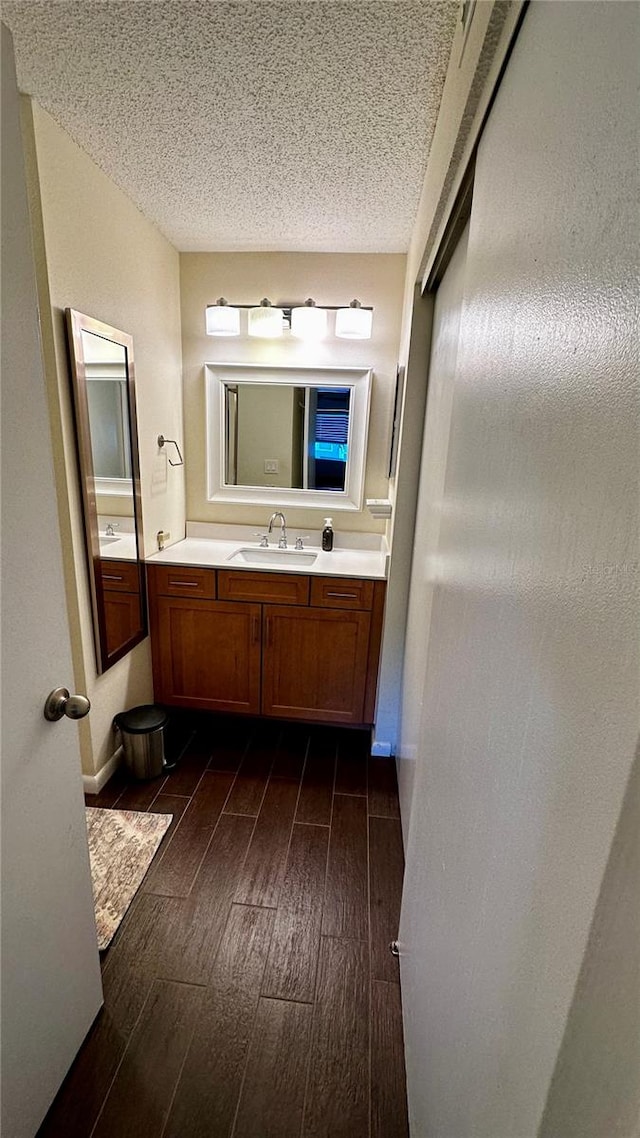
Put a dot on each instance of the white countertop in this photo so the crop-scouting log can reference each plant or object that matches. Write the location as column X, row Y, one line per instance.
column 216, row 551
column 120, row 547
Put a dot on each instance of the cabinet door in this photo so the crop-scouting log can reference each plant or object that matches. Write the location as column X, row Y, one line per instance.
column 207, row 654
column 315, row 663
column 122, row 618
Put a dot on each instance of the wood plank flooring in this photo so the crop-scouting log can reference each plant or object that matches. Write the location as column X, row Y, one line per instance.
column 250, row 991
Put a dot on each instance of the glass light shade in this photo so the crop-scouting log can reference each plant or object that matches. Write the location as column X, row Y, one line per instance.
column 222, row 319
column 309, row 322
column 265, row 321
column 354, row 323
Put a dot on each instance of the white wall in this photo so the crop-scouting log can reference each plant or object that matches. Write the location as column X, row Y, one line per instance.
column 477, row 55
column 96, row 252
column 596, row 1083
column 403, row 491
column 445, row 338
column 530, row 719
column 478, row 52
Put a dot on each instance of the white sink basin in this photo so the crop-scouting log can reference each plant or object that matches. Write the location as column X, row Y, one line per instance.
column 108, row 538
column 273, row 557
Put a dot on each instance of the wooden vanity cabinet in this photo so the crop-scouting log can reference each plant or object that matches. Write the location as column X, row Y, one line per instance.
column 285, row 647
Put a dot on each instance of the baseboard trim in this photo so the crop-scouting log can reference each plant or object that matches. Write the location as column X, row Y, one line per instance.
column 93, row 783
column 381, row 749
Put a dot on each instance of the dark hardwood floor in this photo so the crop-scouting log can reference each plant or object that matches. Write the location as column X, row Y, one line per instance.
column 250, row 990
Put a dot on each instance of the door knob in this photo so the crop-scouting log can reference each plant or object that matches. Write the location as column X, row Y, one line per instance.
column 60, row 703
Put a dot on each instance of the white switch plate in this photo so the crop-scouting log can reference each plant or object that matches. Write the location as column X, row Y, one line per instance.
column 271, row 466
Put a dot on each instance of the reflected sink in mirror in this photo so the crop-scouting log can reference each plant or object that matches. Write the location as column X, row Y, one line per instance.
column 276, row 558
column 108, row 539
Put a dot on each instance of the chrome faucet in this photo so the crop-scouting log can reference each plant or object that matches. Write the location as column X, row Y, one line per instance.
column 111, row 528
column 282, row 544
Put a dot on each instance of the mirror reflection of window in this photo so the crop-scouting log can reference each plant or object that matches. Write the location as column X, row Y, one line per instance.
column 287, row 436
column 109, row 419
column 108, row 402
column 328, row 437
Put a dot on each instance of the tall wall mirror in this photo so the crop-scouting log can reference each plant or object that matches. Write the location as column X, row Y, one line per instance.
column 103, row 382
column 298, row 435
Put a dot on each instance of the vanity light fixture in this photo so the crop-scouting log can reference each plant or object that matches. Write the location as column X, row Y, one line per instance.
column 309, row 322
column 265, row 320
column 354, row 322
column 304, row 321
column 222, row 319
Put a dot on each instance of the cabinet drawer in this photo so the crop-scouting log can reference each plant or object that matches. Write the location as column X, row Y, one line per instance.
column 177, row 581
column 282, row 588
column 121, row 576
column 341, row 593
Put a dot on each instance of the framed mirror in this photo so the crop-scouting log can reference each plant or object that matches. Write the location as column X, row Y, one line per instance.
column 103, row 383
column 298, row 435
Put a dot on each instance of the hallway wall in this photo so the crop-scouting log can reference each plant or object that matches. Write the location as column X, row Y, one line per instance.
column 96, row 252
column 530, row 716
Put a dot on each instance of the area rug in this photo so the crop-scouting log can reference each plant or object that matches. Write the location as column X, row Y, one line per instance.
column 122, row 844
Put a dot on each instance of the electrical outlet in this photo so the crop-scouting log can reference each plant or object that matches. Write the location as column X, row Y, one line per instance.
column 271, row 466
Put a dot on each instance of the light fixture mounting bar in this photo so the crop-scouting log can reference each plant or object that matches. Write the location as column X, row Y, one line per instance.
column 286, row 307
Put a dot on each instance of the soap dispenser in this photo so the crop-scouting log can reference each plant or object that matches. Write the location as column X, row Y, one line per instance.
column 327, row 535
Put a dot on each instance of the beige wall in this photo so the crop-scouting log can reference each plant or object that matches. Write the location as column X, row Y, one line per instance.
column 265, row 430
column 120, row 505
column 96, row 252
column 331, row 279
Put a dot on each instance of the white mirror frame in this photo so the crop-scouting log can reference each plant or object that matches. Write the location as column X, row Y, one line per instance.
column 357, row 379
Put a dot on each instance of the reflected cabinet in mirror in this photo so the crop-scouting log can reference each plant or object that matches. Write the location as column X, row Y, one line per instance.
column 300, row 432
column 103, row 381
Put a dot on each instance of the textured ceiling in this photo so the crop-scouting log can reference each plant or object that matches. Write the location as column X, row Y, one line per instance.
column 291, row 125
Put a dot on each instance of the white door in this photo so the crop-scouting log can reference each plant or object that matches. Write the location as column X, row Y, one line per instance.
column 51, row 989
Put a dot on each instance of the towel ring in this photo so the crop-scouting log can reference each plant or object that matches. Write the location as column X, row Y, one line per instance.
column 162, row 441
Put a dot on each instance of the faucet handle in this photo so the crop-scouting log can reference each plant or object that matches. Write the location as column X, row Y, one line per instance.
column 299, row 541
column 264, row 540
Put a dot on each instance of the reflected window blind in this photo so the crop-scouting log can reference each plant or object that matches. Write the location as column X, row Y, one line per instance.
column 332, row 426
